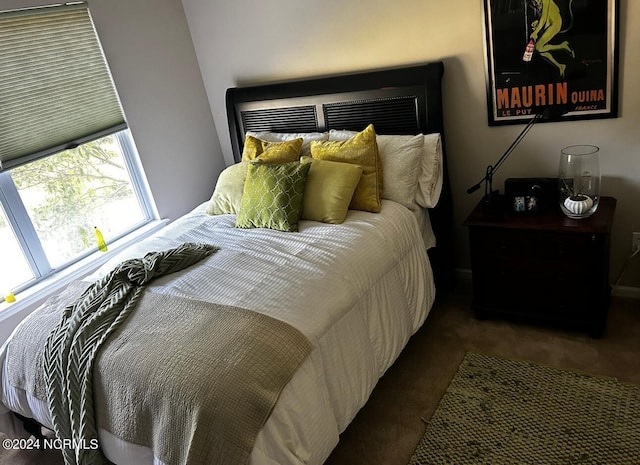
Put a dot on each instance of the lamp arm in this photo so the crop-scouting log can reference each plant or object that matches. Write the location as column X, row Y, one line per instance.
column 517, row 141
column 491, row 169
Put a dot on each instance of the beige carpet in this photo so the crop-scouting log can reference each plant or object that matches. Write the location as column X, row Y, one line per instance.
column 500, row 411
column 388, row 428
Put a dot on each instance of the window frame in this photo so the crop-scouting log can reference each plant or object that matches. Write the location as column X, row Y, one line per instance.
column 24, row 231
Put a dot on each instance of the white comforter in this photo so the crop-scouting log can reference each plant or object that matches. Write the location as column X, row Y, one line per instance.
column 358, row 291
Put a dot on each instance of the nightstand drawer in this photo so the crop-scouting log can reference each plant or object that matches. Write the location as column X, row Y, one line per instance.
column 528, row 293
column 542, row 246
column 538, row 268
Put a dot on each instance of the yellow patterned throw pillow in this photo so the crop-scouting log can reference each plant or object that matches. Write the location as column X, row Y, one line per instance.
column 361, row 150
column 271, row 152
column 329, row 190
column 272, row 196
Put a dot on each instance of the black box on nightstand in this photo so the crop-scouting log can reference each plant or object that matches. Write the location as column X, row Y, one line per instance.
column 530, row 195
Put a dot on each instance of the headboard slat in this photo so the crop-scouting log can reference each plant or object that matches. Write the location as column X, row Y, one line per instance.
column 285, row 119
column 398, row 115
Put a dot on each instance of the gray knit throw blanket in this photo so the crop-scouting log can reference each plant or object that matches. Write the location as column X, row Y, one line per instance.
column 73, row 345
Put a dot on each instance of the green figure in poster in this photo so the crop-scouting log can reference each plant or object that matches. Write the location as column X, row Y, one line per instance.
column 545, row 28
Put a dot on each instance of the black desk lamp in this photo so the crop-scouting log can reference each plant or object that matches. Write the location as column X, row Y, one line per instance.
column 492, row 202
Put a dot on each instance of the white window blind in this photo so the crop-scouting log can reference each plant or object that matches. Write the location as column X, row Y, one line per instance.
column 55, row 88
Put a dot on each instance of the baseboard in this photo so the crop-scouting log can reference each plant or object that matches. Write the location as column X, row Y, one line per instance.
column 464, row 277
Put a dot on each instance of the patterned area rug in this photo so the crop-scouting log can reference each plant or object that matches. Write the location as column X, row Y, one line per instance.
column 506, row 412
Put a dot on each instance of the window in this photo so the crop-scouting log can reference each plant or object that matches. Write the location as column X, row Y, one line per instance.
column 67, row 160
column 14, row 268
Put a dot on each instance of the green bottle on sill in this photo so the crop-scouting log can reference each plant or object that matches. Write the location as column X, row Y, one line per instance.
column 102, row 245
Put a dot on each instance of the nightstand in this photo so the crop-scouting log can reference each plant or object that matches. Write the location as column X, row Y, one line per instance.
column 543, row 267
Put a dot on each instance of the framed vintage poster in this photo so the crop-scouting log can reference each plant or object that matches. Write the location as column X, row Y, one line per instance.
column 559, row 57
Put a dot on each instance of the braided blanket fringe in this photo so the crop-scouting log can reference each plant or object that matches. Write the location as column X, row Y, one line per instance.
column 72, row 347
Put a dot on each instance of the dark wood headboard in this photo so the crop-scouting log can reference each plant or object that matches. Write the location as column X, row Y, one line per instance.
column 404, row 100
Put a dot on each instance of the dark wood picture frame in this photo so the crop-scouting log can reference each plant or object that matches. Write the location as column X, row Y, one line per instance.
column 555, row 55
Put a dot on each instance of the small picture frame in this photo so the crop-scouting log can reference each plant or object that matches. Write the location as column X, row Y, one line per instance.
column 519, row 203
column 524, row 204
column 530, row 195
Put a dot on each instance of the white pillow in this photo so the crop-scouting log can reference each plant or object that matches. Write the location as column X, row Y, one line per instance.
column 401, row 163
column 400, row 156
column 431, row 172
column 306, row 137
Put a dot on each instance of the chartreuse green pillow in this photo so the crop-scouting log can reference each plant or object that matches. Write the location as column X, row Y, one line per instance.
column 362, row 150
column 272, row 196
column 329, row 190
column 271, row 152
column 227, row 195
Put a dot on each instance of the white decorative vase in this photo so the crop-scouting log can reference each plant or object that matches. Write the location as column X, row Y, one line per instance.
column 579, row 180
column 578, row 205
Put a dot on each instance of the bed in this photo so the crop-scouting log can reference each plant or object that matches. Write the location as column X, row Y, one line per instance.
column 356, row 290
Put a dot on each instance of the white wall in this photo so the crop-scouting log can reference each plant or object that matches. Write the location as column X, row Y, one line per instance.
column 246, row 42
column 149, row 50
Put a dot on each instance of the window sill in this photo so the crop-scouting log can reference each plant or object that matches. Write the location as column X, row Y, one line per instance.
column 27, row 301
